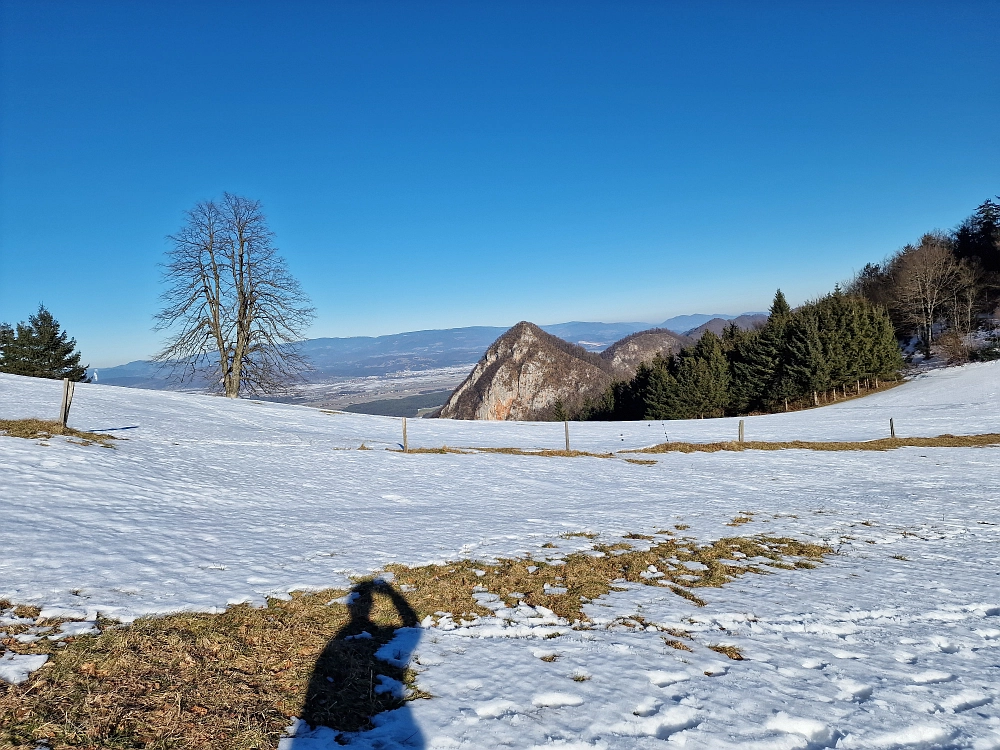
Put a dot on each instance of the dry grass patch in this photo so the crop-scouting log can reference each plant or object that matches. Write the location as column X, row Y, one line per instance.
column 506, row 451
column 547, row 453
column 740, row 520
column 641, row 461
column 883, row 444
column 679, row 645
column 586, row 577
column 731, row 651
column 222, row 681
column 42, row 429
column 231, row 680
column 442, row 450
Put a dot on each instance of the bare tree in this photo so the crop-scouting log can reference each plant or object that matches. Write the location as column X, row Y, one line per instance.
column 232, row 309
column 925, row 278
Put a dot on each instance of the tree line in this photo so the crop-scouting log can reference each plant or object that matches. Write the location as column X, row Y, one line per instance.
column 839, row 341
column 940, row 290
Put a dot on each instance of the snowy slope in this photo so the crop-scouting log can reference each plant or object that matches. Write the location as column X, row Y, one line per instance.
column 210, row 501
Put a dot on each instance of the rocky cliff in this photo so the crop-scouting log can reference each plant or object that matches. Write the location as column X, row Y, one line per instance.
column 626, row 355
column 524, row 374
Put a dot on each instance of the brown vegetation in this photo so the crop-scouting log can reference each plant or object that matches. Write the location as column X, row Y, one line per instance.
column 42, row 429
column 232, row 680
column 883, row 444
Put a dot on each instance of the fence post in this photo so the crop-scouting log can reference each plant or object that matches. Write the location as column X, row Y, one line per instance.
column 406, row 445
column 566, row 427
column 67, row 400
column 892, row 428
column 741, row 430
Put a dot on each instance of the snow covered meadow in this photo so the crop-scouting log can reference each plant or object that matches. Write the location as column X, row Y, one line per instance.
column 894, row 642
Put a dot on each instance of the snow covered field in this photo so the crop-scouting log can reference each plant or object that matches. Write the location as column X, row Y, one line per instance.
column 893, row 643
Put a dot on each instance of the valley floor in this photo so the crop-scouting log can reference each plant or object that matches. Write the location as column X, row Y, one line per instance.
column 892, row 642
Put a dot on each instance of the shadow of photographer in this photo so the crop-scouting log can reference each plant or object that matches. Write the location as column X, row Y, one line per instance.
column 361, row 672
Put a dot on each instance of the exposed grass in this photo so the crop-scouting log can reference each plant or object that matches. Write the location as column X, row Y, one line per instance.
column 42, row 429
column 640, row 461
column 741, row 519
column 679, row 645
column 883, row 444
column 442, row 450
column 508, row 451
column 731, row 651
column 562, row 454
column 231, row 680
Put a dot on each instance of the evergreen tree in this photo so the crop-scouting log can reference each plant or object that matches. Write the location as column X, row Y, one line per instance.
column 978, row 237
column 40, row 349
column 654, row 390
column 806, row 366
column 762, row 375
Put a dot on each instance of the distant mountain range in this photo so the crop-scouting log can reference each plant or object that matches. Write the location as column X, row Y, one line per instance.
column 367, row 356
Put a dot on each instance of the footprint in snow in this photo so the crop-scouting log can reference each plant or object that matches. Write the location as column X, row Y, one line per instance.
column 964, row 701
column 852, row 690
column 662, row 679
column 815, row 732
column 496, row 708
column 647, row 707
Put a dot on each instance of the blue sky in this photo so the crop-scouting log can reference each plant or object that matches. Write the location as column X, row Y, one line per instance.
column 432, row 165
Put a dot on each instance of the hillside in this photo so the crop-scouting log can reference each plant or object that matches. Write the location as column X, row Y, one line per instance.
column 890, row 643
column 626, row 355
column 718, row 325
column 527, row 374
column 524, row 374
column 375, row 356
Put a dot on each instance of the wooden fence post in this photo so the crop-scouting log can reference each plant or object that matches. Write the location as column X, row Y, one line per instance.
column 566, row 427
column 741, row 430
column 406, row 445
column 67, row 400
column 892, row 428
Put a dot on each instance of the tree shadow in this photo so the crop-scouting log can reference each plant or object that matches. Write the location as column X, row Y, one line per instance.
column 358, row 681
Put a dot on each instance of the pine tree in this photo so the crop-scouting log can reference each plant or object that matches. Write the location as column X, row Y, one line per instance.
column 764, row 373
column 656, row 389
column 40, row 349
column 978, row 237
column 806, row 366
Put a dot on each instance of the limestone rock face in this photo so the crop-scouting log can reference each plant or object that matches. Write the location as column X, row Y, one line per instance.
column 626, row 355
column 524, row 374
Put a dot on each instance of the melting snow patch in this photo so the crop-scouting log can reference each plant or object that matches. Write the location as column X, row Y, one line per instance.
column 496, row 708
column 388, row 685
column 15, row 668
column 72, row 629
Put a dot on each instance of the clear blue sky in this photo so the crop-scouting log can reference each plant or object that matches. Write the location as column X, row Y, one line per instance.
column 434, row 165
